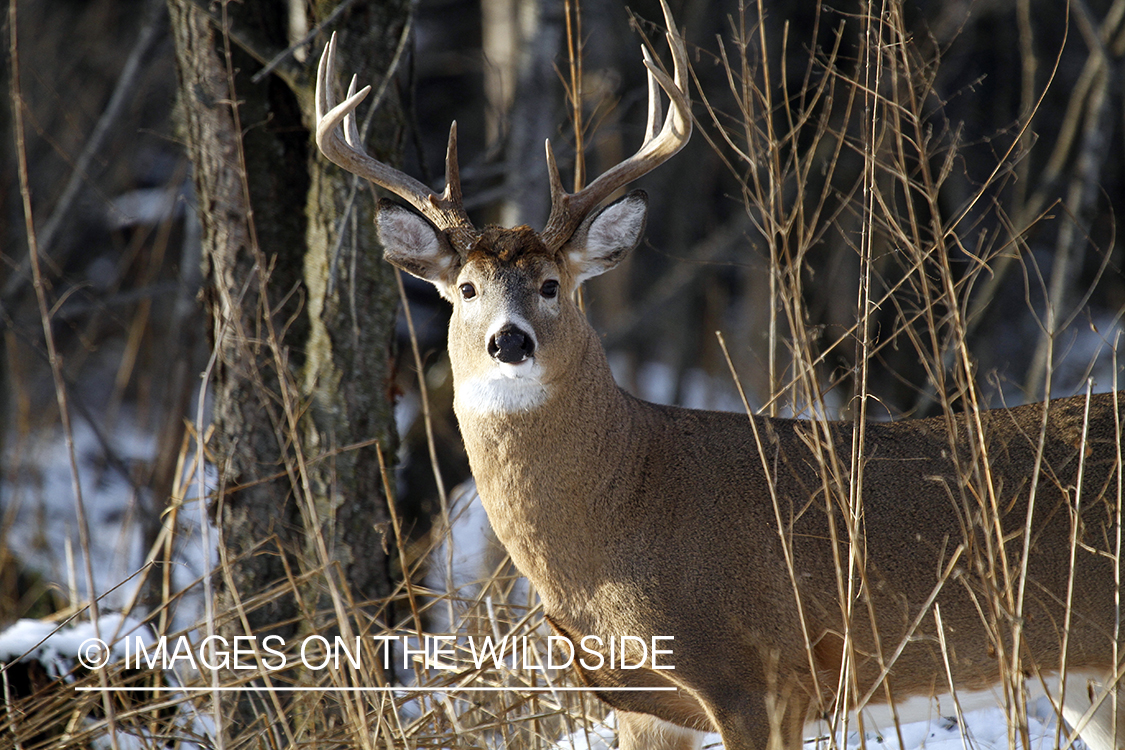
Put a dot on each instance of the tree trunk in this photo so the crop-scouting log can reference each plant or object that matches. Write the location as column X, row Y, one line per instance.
column 301, row 315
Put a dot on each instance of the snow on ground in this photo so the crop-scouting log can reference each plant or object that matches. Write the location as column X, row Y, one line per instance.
column 37, row 498
column 38, row 501
column 986, row 729
column 71, row 648
column 57, row 646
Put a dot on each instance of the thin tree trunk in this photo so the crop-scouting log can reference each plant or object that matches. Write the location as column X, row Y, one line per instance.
column 301, row 315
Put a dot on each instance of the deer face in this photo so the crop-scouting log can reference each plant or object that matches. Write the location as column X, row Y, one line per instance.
column 516, row 334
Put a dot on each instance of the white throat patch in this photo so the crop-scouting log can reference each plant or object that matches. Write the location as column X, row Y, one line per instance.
column 506, row 389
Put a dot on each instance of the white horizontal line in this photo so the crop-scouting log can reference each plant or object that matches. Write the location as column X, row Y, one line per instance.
column 397, row 689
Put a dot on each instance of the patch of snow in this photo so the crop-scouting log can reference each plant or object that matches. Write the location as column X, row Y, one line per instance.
column 986, row 729
column 468, row 554
column 60, row 650
column 146, row 206
column 57, row 646
column 37, row 494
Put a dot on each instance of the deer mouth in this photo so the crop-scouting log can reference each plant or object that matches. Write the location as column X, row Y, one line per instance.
column 525, row 369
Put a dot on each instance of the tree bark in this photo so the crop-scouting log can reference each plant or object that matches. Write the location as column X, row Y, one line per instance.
column 301, row 316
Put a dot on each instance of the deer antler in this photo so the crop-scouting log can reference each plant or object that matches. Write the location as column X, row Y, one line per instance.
column 445, row 211
column 568, row 210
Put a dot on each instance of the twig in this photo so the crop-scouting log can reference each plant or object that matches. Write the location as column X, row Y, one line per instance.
column 1075, row 525
column 949, row 677
column 427, row 419
column 152, row 27
column 573, row 12
column 56, row 365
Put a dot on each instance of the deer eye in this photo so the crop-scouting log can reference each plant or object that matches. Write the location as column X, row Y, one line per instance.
column 468, row 291
column 550, row 289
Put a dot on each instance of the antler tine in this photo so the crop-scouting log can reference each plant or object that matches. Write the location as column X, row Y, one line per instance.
column 351, row 130
column 567, row 210
column 654, row 106
column 452, row 171
column 445, row 211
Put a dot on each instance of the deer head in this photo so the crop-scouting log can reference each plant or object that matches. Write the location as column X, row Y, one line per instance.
column 514, row 323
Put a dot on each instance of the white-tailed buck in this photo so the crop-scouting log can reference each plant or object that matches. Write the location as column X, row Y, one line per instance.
column 734, row 534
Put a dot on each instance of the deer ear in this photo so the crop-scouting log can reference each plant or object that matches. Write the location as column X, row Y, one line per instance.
column 606, row 237
column 412, row 244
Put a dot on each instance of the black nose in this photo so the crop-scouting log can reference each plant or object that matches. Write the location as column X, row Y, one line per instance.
column 511, row 345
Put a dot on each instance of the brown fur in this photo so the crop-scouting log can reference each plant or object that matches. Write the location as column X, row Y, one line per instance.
column 508, row 245
column 637, row 519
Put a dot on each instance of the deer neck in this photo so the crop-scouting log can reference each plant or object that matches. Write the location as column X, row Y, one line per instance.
column 543, row 474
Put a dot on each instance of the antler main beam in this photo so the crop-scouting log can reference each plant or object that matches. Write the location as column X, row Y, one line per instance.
column 568, row 210
column 446, row 210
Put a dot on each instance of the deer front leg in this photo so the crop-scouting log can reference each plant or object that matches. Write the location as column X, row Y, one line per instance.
column 643, row 732
column 759, row 718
